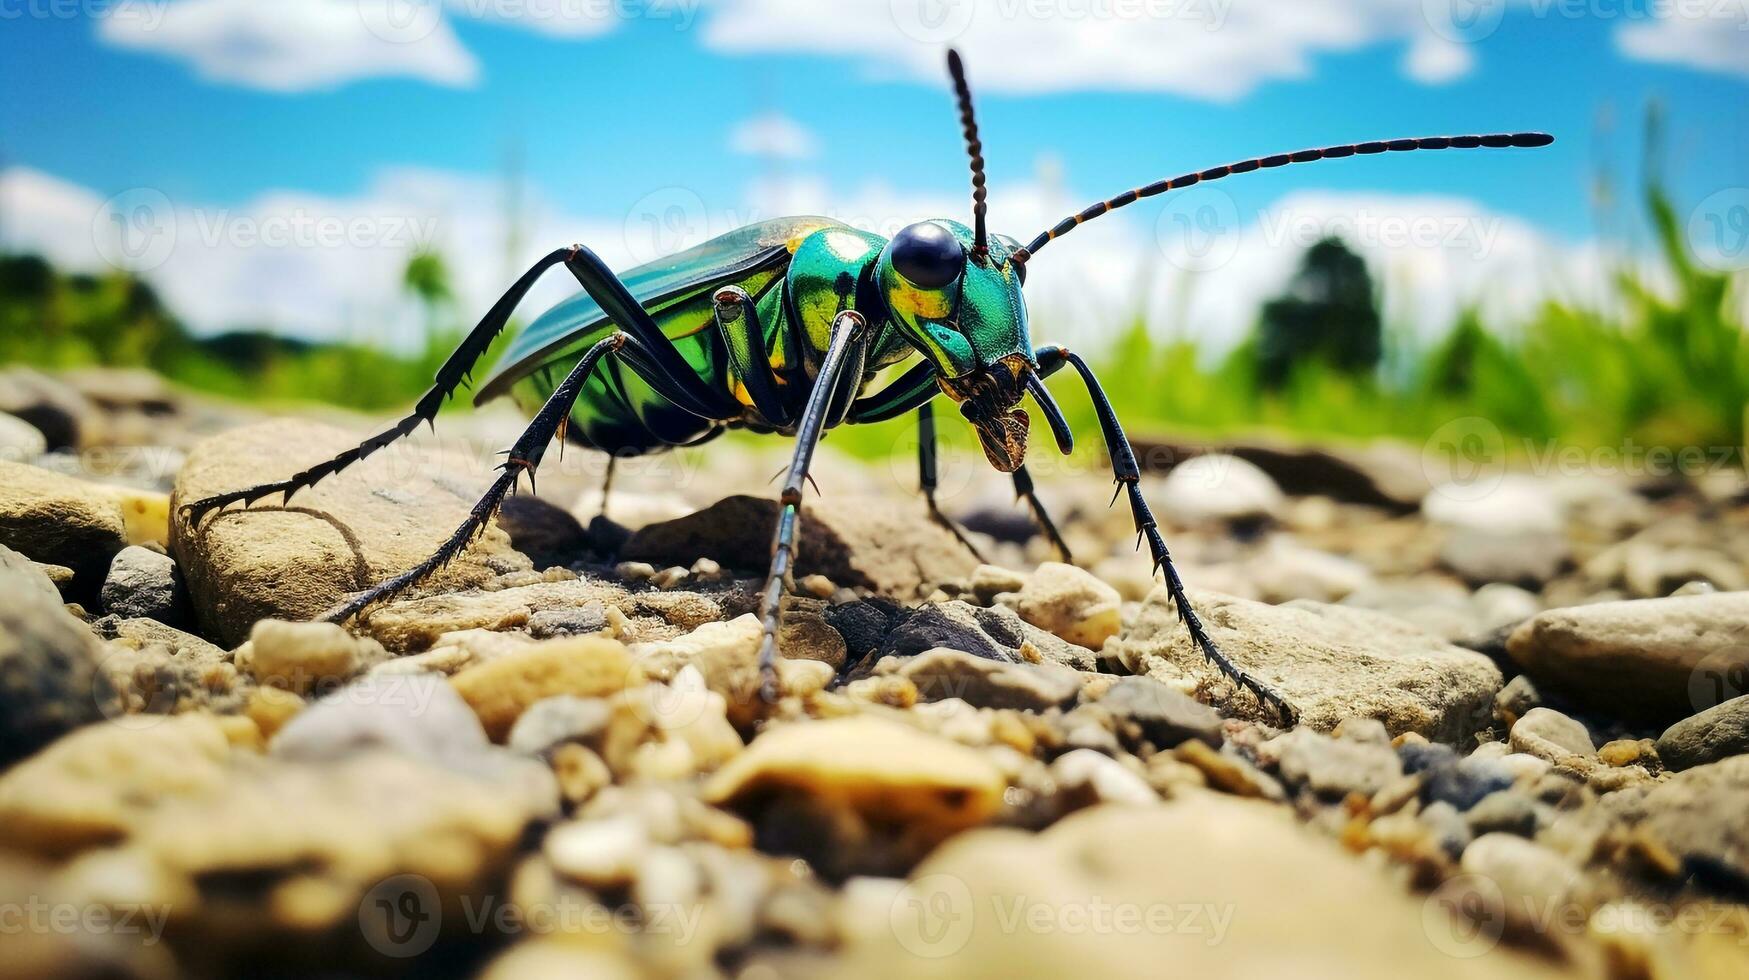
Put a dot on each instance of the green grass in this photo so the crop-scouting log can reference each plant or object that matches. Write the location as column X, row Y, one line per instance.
column 1646, row 369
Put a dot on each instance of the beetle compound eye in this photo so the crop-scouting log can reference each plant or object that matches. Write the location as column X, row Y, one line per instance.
column 927, row 255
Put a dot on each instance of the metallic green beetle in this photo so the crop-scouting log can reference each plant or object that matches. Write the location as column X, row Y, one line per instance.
column 782, row 327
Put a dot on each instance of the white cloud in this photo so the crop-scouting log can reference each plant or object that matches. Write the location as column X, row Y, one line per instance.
column 1714, row 40
column 1212, row 49
column 773, row 135
column 298, row 45
column 329, row 267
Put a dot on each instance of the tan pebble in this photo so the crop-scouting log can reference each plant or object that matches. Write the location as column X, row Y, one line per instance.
column 804, row 677
column 662, row 761
column 311, row 902
column 1071, row 603
column 580, row 772
column 1007, row 728
column 989, row 581
column 1621, row 752
column 1223, row 772
column 669, row 577
column 306, row 657
column 1408, row 738
column 587, row 666
column 242, row 732
column 706, row 568
column 634, row 571
column 818, row 586
column 597, row 853
column 894, row 690
column 879, row 768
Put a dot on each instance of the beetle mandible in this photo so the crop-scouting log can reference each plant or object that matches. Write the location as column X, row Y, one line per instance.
column 782, row 327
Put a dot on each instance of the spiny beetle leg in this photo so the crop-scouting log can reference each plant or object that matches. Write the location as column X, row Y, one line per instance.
column 449, row 377
column 1123, row 463
column 849, row 337
column 927, row 476
column 1023, row 490
column 737, row 320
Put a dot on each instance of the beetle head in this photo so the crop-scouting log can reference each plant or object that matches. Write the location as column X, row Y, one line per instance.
column 962, row 309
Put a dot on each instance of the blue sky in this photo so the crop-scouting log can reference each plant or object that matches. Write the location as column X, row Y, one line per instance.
column 222, row 105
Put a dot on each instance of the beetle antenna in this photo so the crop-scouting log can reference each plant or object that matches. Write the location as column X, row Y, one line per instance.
column 1492, row 141
column 974, row 149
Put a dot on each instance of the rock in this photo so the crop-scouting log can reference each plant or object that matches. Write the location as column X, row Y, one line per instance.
column 1465, row 783
column 1070, row 603
column 1286, row 570
column 500, row 690
column 826, row 789
column 1384, row 474
column 1526, row 879
column 1085, row 898
column 20, row 442
column 601, row 854
column 550, row 623
column 1627, row 751
column 1162, row 715
column 1516, row 505
column 95, row 786
column 1516, row 699
column 1714, row 734
column 1691, row 825
column 1330, row 662
column 1552, row 736
column 1217, row 487
column 996, row 633
column 415, row 624
column 990, row 581
column 306, row 657
column 726, row 658
column 1087, row 777
column 50, row 683
column 942, row 673
column 418, row 715
column 1505, row 812
column 877, row 543
column 554, row 721
column 1481, row 557
column 65, row 418
column 370, row 521
column 60, row 521
column 143, row 584
column 1334, row 768
column 1644, row 659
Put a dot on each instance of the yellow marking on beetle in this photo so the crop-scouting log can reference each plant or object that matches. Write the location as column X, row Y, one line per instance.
column 921, row 304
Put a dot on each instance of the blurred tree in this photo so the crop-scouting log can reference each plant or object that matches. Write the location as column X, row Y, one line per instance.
column 1328, row 315
column 428, row 279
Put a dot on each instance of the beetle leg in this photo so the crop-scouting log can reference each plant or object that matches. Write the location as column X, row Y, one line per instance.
column 743, row 336
column 849, row 335
column 655, row 357
column 1123, row 464
column 523, row 457
column 1023, row 490
column 914, row 388
column 927, row 476
column 449, row 377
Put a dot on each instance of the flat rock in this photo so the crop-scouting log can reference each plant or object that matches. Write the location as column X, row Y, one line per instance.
column 1330, row 662
column 1642, row 659
column 1692, row 824
column 942, row 673
column 1333, row 768
column 1716, row 733
column 887, row 545
column 64, row 417
column 1554, row 737
column 1162, row 715
column 994, row 633
column 20, row 441
column 372, row 520
column 59, row 520
column 50, row 682
column 501, row 689
column 1231, row 903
